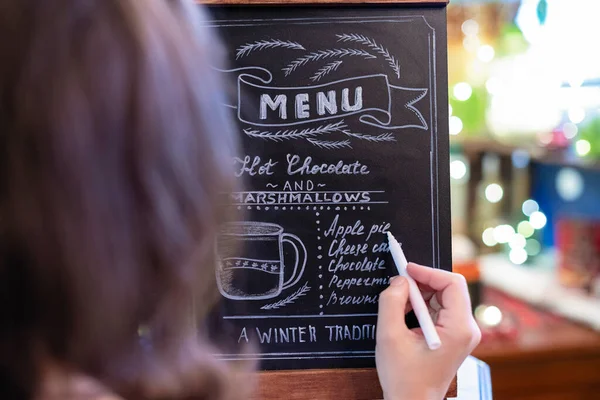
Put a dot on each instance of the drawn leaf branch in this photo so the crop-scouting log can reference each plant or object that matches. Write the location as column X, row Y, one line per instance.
column 295, row 133
column 322, row 54
column 248, row 48
column 327, row 69
column 361, row 39
column 330, row 145
column 288, row 300
column 384, row 137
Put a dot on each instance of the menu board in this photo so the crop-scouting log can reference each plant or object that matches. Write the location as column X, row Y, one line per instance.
column 342, row 113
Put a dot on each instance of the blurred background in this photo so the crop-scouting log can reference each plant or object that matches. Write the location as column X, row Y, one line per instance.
column 524, row 89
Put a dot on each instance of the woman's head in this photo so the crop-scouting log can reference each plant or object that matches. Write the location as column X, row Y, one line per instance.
column 115, row 153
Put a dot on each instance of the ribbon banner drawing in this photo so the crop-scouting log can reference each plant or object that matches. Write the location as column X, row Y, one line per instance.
column 371, row 98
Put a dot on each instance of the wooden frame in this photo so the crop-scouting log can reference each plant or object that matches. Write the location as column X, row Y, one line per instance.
column 347, row 384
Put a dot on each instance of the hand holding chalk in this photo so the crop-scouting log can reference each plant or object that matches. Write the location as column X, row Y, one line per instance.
column 416, row 299
column 406, row 366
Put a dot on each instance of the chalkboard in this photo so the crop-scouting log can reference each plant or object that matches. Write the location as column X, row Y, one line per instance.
column 342, row 112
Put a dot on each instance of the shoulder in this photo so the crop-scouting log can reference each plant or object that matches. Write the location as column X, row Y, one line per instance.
column 87, row 388
column 77, row 387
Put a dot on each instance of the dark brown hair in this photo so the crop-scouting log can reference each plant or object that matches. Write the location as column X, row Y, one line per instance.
column 114, row 153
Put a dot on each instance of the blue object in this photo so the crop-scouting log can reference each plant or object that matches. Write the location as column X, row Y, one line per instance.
column 554, row 206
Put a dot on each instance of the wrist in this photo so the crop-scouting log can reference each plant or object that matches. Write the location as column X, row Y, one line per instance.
column 416, row 394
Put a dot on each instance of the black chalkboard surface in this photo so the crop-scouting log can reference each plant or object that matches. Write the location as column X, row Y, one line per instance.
column 342, row 112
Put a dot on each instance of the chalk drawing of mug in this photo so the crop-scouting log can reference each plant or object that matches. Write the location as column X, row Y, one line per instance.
column 252, row 264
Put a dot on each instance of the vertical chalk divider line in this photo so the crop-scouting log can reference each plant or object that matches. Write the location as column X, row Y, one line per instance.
column 320, row 261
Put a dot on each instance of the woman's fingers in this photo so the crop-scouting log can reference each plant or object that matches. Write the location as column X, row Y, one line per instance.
column 390, row 323
column 451, row 290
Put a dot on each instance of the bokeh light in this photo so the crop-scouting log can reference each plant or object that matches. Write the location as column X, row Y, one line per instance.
column 462, row 91
column 503, row 233
column 456, row 125
column 488, row 237
column 486, row 53
column 569, row 184
column 538, row 220
column 570, row 130
column 518, row 241
column 530, row 206
column 520, row 158
column 524, row 228
column 518, row 256
column 471, row 43
column 494, row 193
column 491, row 316
column 533, row 247
column 583, row 147
column 458, row 169
column 470, row 27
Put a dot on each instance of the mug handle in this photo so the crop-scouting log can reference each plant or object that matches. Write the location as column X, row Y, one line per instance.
column 300, row 259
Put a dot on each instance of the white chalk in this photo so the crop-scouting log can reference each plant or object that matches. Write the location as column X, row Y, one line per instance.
column 416, row 299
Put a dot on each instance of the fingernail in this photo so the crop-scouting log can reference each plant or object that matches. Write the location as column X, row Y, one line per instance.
column 398, row 281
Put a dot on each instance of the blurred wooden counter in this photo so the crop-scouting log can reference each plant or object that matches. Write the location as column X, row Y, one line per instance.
column 551, row 359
